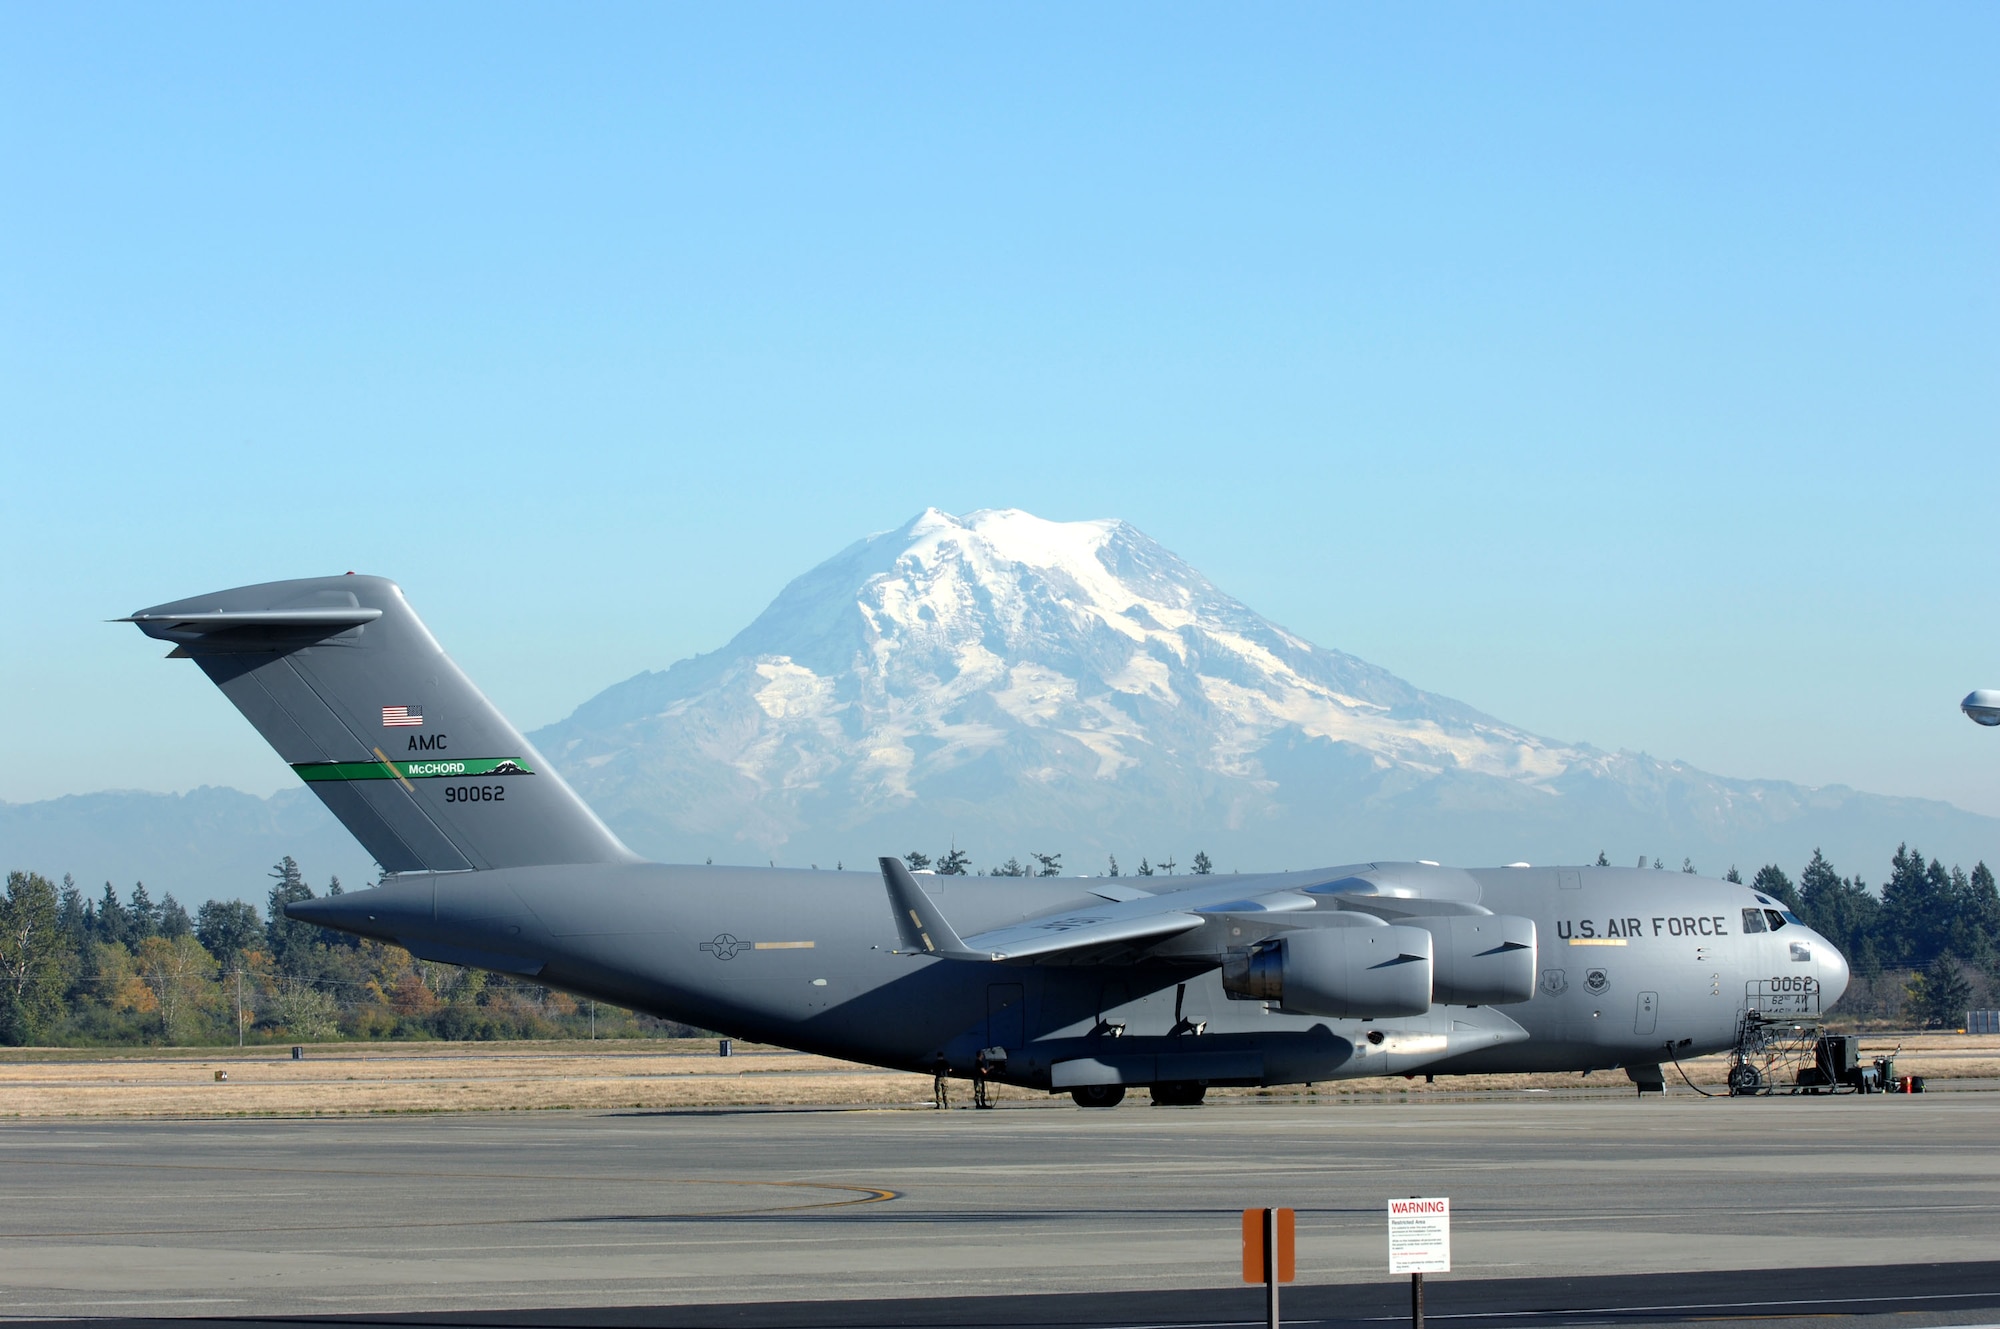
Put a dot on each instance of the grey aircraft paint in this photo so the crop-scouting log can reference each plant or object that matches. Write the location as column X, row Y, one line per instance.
column 1072, row 984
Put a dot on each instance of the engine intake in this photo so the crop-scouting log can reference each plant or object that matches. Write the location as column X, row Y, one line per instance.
column 1360, row 972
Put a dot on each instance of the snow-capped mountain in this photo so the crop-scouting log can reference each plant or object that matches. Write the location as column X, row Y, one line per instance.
column 1013, row 684
column 1016, row 685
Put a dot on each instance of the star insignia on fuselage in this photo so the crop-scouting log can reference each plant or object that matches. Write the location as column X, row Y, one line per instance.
column 724, row 947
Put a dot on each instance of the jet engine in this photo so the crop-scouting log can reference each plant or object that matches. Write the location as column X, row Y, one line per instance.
column 1365, row 972
column 1481, row 959
column 1983, row 707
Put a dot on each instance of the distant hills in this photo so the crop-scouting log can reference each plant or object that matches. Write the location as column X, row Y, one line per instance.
column 207, row 843
column 1012, row 685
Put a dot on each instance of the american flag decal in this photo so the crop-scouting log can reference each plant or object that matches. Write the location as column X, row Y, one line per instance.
column 402, row 717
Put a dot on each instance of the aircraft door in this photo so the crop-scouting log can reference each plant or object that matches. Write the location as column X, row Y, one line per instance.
column 1649, row 1013
column 1006, row 1016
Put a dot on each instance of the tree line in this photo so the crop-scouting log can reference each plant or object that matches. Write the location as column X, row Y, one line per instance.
column 106, row 971
column 1926, row 948
column 955, row 862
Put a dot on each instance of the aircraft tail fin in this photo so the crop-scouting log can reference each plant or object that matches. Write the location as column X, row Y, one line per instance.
column 342, row 678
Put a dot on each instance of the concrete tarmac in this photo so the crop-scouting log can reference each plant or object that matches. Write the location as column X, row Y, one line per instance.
column 531, row 1218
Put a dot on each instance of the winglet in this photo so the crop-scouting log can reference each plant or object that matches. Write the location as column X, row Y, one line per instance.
column 923, row 929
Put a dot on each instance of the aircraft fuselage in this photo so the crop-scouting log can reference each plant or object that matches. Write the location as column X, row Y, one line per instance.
column 1635, row 967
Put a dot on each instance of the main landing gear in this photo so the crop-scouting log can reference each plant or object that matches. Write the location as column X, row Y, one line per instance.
column 1099, row 1095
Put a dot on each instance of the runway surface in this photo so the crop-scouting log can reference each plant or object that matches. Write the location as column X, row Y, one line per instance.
column 835, row 1217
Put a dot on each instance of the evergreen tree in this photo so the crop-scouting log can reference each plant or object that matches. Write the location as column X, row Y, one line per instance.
column 1112, row 870
column 1772, row 881
column 1985, row 901
column 174, row 920
column 1687, row 866
column 289, row 940
column 1145, row 868
column 1942, row 993
column 1602, row 860
column 915, row 860
column 1011, row 868
column 75, row 915
column 954, row 863
column 227, row 928
column 1051, row 864
column 1202, row 867
column 1733, row 875
column 1975, row 916
column 1841, row 910
column 114, row 920
column 1916, row 909
column 143, row 915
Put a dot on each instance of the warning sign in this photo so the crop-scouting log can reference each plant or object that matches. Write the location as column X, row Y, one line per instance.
column 1420, row 1236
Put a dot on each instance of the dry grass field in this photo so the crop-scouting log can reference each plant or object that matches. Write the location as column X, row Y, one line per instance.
column 351, row 1078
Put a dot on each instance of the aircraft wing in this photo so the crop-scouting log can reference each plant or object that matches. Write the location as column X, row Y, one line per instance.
column 1094, row 933
column 1088, row 929
column 925, row 930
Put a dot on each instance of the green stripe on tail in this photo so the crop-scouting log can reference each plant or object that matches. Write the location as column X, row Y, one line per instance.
column 314, row 771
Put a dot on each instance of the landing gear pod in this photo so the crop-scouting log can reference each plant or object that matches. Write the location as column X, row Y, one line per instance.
column 1365, row 972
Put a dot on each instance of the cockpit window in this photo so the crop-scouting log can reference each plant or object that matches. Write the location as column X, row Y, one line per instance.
column 1791, row 917
column 1753, row 920
column 1776, row 919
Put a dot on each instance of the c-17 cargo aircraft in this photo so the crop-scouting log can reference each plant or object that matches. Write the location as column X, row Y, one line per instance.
column 1089, row 986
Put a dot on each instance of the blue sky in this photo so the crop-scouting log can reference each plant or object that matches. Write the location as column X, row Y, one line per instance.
column 1628, row 372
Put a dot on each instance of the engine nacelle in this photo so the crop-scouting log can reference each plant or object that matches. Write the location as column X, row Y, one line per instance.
column 1361, row 972
column 1481, row 959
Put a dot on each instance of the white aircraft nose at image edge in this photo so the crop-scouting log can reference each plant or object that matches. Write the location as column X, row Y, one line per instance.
column 1983, row 705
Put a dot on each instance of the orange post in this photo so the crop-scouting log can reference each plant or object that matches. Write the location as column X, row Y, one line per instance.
column 1268, row 1254
column 1254, row 1268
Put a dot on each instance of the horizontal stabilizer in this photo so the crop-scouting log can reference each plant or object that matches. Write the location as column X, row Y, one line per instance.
column 186, row 627
column 238, row 631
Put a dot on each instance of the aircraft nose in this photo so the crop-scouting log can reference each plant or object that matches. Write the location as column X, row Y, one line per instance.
column 1833, row 973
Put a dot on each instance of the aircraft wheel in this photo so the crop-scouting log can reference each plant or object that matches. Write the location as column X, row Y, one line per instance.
column 1099, row 1095
column 1179, row 1093
column 1744, row 1079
